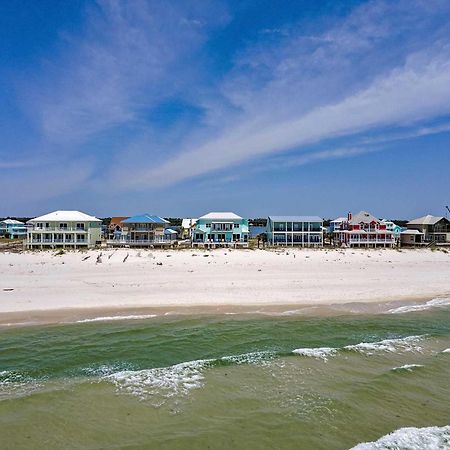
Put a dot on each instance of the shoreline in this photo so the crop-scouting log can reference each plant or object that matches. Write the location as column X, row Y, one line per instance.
column 70, row 316
column 48, row 286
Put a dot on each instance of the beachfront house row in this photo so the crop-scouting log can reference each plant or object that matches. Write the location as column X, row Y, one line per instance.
column 304, row 231
column 363, row 230
column 66, row 229
column 13, row 229
column 435, row 228
column 144, row 230
column 217, row 229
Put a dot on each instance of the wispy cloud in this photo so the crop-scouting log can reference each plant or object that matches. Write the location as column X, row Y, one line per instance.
column 416, row 91
column 127, row 60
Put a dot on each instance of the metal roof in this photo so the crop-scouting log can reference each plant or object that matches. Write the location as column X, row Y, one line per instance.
column 145, row 218
column 65, row 216
column 363, row 216
column 12, row 222
column 411, row 232
column 295, row 219
column 426, row 220
column 221, row 216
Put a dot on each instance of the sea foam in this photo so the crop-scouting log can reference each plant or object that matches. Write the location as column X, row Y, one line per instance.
column 407, row 367
column 408, row 344
column 319, row 352
column 435, row 303
column 430, row 438
column 161, row 382
column 110, row 318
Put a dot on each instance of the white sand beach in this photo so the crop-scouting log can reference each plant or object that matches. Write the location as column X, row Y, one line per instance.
column 129, row 278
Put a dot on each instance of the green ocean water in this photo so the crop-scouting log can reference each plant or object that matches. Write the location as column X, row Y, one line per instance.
column 230, row 381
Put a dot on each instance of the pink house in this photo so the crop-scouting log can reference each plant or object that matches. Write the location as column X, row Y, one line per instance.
column 363, row 230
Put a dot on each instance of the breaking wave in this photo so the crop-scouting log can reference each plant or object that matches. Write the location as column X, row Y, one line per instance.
column 406, row 344
column 430, row 438
column 435, row 303
column 111, row 318
column 407, row 367
column 319, row 352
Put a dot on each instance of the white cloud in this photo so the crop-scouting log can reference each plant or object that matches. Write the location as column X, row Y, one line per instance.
column 417, row 91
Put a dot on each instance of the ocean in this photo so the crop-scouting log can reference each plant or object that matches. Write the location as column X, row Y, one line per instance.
column 244, row 381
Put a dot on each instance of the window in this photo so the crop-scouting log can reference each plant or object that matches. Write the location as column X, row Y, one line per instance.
column 236, row 225
column 63, row 226
column 208, row 225
column 80, row 226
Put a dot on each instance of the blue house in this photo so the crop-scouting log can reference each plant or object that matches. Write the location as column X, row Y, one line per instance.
column 220, row 229
column 14, row 229
column 144, row 230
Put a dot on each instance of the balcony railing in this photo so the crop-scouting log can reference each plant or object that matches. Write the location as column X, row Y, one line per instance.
column 57, row 229
column 156, row 240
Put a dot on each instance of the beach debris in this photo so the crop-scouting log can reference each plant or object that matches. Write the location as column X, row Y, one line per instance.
column 159, row 263
column 99, row 259
column 86, row 257
column 126, row 257
column 205, row 256
column 8, row 289
column 168, row 256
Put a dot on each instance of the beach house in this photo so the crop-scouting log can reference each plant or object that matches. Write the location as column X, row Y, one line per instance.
column 411, row 238
column 217, row 229
column 115, row 227
column 67, row 229
column 391, row 226
column 434, row 228
column 336, row 223
column 143, row 230
column 304, row 231
column 13, row 229
column 187, row 227
column 363, row 230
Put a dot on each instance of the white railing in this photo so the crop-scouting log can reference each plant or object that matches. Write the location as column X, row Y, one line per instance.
column 139, row 241
column 57, row 230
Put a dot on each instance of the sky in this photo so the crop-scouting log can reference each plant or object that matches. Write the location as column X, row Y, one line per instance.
column 300, row 107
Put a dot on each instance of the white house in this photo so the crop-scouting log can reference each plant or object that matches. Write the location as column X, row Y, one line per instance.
column 66, row 229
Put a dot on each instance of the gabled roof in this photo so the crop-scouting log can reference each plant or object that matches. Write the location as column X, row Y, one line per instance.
column 363, row 216
column 169, row 231
column 12, row 222
column 221, row 216
column 117, row 220
column 145, row 218
column 339, row 220
column 411, row 232
column 188, row 223
column 295, row 219
column 65, row 216
column 426, row 220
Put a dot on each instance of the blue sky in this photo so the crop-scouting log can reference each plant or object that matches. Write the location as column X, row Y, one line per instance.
column 259, row 107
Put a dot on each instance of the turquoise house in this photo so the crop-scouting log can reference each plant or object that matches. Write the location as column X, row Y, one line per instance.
column 14, row 229
column 218, row 229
